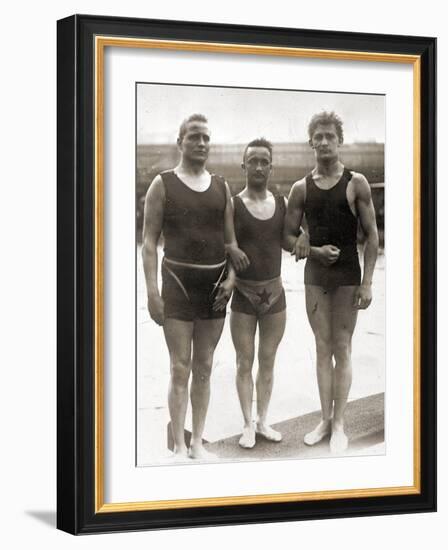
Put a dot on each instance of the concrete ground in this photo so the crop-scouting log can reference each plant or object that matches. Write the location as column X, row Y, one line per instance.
column 295, row 401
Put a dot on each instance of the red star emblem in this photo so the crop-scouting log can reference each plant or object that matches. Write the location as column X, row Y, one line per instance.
column 264, row 296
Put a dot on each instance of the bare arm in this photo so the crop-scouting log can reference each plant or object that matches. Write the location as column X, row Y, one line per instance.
column 294, row 215
column 303, row 238
column 225, row 289
column 294, row 240
column 286, row 242
column 229, row 229
column 152, row 228
column 237, row 256
column 366, row 213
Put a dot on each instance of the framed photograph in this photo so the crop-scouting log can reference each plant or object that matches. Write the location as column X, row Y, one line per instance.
column 246, row 274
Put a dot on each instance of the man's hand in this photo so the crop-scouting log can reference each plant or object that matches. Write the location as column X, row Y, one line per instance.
column 363, row 297
column 223, row 295
column 238, row 258
column 302, row 247
column 328, row 254
column 156, row 308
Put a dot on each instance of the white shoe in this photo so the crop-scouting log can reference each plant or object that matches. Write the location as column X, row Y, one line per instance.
column 269, row 433
column 247, row 439
column 338, row 442
column 320, row 431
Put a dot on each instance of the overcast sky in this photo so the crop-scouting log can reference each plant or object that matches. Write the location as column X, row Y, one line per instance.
column 239, row 115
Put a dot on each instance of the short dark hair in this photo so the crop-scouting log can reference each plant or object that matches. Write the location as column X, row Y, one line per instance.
column 196, row 117
column 326, row 118
column 258, row 142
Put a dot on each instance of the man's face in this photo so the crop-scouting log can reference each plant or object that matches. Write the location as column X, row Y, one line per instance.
column 325, row 141
column 195, row 144
column 257, row 164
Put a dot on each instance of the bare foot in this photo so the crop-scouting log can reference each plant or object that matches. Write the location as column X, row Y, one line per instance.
column 338, row 441
column 320, row 431
column 268, row 433
column 247, row 439
column 197, row 452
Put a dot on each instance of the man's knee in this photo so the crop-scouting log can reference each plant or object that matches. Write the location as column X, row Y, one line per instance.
column 324, row 348
column 266, row 356
column 342, row 350
column 180, row 372
column 202, row 369
column 265, row 375
column 244, row 362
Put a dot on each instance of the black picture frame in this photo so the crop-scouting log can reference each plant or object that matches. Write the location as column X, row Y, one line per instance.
column 77, row 510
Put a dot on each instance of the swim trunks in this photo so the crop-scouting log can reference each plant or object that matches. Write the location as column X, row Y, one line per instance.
column 189, row 291
column 258, row 297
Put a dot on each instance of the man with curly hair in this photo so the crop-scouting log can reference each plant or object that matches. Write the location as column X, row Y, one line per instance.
column 333, row 199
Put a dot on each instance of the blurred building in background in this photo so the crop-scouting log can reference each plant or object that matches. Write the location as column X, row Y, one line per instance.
column 291, row 162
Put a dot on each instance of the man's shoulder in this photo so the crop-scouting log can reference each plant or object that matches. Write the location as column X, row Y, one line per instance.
column 299, row 185
column 165, row 173
column 297, row 194
column 165, row 179
column 358, row 178
column 158, row 179
column 156, row 188
column 301, row 181
column 162, row 176
column 218, row 178
column 221, row 184
column 360, row 185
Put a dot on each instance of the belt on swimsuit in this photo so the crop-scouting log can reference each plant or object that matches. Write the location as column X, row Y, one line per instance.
column 195, row 266
column 261, row 294
column 222, row 265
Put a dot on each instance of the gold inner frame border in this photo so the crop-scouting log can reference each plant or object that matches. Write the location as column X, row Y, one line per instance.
column 100, row 43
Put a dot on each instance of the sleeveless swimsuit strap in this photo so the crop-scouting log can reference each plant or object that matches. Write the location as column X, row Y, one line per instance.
column 345, row 178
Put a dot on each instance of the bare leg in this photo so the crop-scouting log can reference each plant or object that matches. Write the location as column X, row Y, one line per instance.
column 178, row 335
column 206, row 335
column 344, row 317
column 271, row 329
column 318, row 308
column 243, row 329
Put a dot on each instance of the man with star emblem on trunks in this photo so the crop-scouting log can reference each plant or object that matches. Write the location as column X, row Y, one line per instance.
column 258, row 298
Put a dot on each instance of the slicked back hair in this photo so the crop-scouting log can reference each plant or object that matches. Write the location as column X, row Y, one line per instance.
column 326, row 118
column 196, row 117
column 258, row 142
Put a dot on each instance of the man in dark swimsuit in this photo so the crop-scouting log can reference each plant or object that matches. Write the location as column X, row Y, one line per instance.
column 193, row 209
column 259, row 298
column 333, row 200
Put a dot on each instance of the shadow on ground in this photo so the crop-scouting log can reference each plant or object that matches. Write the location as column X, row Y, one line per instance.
column 48, row 517
column 364, row 426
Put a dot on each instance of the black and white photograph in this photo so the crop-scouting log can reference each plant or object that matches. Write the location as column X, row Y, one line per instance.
column 144, row 135
column 260, row 274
